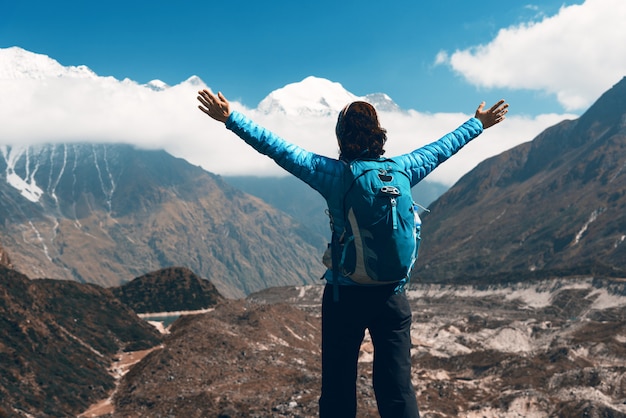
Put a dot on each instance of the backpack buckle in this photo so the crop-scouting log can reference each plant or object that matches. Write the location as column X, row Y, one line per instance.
column 390, row 190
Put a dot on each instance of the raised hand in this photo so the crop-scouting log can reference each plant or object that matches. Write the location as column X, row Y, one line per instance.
column 215, row 106
column 494, row 115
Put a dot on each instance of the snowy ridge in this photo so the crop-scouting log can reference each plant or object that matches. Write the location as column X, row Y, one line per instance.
column 17, row 63
column 312, row 96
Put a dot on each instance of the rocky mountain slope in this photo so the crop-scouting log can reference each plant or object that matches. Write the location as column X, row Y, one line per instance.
column 59, row 339
column 66, row 344
column 240, row 360
column 108, row 213
column 556, row 202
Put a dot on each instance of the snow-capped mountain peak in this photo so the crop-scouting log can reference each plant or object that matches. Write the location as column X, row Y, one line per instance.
column 157, row 85
column 382, row 102
column 195, row 81
column 312, row 96
column 316, row 96
column 18, row 64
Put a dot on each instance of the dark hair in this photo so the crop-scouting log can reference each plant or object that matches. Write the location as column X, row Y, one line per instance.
column 359, row 133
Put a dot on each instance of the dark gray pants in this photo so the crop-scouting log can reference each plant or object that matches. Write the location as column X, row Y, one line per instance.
column 388, row 317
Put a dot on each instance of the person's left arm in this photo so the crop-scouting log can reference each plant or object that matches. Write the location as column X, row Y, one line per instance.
column 424, row 160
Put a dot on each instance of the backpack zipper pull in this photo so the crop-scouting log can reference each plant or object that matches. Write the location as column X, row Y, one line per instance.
column 394, row 213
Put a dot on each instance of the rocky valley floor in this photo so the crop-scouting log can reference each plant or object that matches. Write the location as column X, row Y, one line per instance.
column 554, row 348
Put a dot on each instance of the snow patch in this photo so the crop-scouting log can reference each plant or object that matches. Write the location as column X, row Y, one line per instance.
column 592, row 218
column 511, row 340
column 28, row 189
column 604, row 300
column 27, row 186
column 531, row 297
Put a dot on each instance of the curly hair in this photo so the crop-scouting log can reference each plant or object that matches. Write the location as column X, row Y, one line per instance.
column 359, row 133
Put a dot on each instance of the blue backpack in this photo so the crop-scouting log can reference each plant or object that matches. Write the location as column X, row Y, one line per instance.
column 381, row 237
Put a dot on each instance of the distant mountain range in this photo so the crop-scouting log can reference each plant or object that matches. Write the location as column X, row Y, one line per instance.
column 109, row 213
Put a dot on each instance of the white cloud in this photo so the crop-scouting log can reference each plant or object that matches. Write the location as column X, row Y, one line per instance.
column 575, row 55
column 222, row 152
column 411, row 131
column 103, row 109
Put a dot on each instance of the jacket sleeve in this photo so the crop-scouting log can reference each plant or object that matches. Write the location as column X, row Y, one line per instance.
column 316, row 170
column 424, row 160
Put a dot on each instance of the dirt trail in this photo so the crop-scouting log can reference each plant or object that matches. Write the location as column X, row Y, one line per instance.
column 118, row 369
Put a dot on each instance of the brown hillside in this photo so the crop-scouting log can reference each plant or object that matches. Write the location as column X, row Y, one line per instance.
column 168, row 290
column 558, row 202
column 58, row 340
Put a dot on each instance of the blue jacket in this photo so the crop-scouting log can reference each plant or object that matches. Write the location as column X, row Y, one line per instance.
column 324, row 174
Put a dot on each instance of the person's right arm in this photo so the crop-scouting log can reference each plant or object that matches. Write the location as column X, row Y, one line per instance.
column 424, row 160
column 316, row 170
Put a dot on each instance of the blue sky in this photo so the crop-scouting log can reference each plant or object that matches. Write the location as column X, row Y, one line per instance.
column 249, row 48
